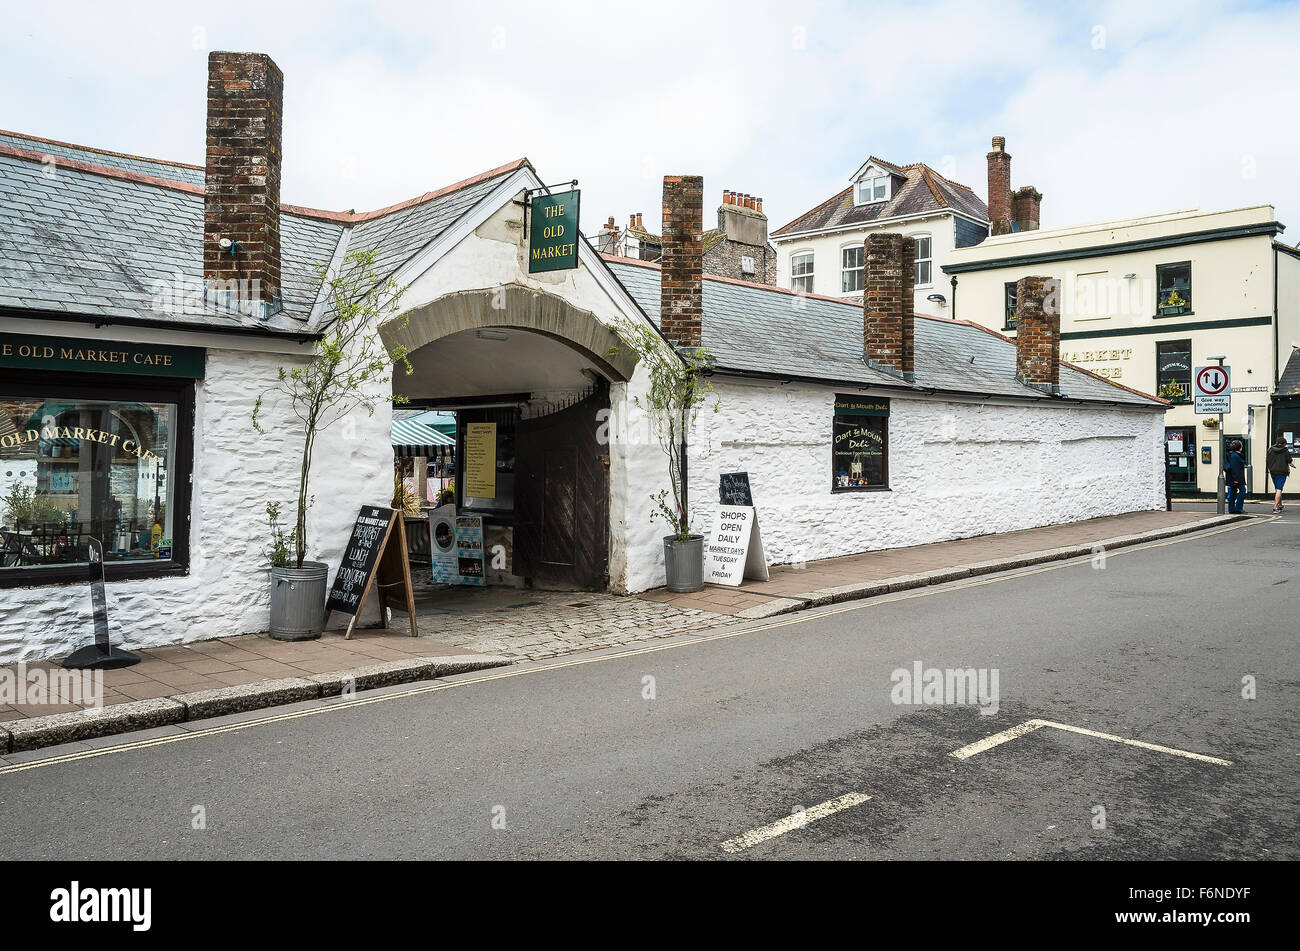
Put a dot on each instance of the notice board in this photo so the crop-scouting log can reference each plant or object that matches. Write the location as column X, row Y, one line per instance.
column 733, row 550
column 481, row 460
column 375, row 557
column 733, row 489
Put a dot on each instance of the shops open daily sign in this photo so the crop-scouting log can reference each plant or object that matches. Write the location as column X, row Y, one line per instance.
column 553, row 232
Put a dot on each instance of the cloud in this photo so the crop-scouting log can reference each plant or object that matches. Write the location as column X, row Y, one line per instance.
column 1177, row 106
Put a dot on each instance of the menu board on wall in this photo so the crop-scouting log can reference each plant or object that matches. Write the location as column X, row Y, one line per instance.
column 481, row 460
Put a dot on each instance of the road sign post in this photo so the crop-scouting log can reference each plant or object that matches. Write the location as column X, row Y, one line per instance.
column 1212, row 393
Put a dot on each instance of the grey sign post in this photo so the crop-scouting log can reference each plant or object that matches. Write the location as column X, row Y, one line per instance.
column 101, row 655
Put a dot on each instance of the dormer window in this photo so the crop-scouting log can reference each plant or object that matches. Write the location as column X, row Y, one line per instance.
column 873, row 188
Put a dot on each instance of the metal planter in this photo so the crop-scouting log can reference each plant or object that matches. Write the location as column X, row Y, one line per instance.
column 684, row 563
column 298, row 601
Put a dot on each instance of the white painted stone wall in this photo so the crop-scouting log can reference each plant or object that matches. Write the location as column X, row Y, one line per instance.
column 227, row 590
column 493, row 255
column 955, row 469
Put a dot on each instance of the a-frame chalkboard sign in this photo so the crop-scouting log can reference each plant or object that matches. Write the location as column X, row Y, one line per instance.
column 375, row 558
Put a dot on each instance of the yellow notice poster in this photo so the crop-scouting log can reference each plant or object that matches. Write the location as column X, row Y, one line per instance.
column 481, row 460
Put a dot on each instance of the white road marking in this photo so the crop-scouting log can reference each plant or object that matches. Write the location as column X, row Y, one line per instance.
column 1029, row 726
column 795, row 821
column 997, row 739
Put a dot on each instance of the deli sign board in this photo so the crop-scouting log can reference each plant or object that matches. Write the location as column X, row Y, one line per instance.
column 1212, row 389
column 553, row 232
column 86, row 355
column 733, row 551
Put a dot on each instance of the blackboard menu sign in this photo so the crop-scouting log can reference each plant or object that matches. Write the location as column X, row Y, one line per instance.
column 360, row 559
column 734, row 489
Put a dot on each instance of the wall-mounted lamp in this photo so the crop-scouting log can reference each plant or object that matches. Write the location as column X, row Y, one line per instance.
column 1129, row 277
column 937, row 298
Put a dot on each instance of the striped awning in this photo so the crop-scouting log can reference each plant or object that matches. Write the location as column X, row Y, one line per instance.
column 413, row 438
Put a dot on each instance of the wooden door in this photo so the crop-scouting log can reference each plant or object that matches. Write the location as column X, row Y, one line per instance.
column 562, row 498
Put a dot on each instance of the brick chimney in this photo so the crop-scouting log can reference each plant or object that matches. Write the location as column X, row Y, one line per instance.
column 888, row 335
column 681, row 278
column 1038, row 333
column 999, row 187
column 1024, row 208
column 241, row 203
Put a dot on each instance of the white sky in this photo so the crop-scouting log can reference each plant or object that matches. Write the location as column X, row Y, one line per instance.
column 1110, row 109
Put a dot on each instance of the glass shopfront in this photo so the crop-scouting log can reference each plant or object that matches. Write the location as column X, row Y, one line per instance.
column 860, row 444
column 93, row 457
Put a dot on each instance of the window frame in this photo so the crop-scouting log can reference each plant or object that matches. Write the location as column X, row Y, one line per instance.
column 928, row 259
column 1183, row 310
column 1009, row 300
column 884, row 453
column 873, row 179
column 861, row 269
column 99, row 386
column 1180, row 341
column 809, row 276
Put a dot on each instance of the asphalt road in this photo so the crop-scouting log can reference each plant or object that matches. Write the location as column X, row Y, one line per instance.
column 742, row 731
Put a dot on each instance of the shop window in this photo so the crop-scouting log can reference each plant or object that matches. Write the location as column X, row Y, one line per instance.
column 1174, row 289
column 801, row 272
column 923, row 260
column 1174, row 370
column 851, row 269
column 860, row 444
column 93, row 461
column 1009, row 305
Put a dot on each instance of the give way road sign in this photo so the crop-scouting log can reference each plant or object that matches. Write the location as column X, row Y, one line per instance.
column 1212, row 389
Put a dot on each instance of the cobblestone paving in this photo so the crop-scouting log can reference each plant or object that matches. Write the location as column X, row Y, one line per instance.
column 538, row 624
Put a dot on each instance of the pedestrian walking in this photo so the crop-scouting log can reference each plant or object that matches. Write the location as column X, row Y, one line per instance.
column 1235, row 469
column 1279, row 463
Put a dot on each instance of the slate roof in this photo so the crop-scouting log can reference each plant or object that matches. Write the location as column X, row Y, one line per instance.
column 89, row 236
column 1289, row 383
column 917, row 189
column 758, row 328
column 157, row 168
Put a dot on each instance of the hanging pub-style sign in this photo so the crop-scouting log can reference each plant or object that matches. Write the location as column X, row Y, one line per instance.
column 553, row 232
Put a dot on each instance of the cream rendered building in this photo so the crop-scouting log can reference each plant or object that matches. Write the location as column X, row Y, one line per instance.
column 820, row 252
column 1144, row 301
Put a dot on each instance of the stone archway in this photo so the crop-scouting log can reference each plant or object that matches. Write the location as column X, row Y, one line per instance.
column 513, row 305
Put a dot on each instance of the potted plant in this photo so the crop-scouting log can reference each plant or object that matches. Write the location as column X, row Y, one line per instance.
column 1172, row 391
column 678, row 387
column 1174, row 303
column 349, row 368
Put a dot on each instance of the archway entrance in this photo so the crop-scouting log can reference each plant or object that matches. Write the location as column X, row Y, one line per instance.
column 528, row 377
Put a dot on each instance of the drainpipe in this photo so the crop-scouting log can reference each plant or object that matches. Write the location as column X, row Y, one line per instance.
column 954, row 297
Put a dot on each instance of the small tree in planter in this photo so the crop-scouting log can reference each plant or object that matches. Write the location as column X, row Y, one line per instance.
column 678, row 387
column 349, row 367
